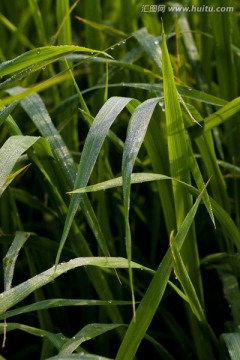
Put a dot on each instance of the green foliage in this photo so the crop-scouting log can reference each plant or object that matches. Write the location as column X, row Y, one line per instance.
column 119, row 171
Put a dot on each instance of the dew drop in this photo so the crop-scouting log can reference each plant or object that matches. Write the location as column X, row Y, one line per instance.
column 190, row 89
column 110, row 301
column 156, row 42
column 161, row 103
column 112, row 48
column 123, row 42
column 163, row 109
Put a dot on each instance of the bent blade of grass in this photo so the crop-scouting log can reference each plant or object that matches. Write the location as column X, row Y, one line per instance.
column 88, row 332
column 92, row 147
column 10, row 258
column 220, row 213
column 10, row 152
column 222, row 115
column 135, row 179
column 152, row 298
column 158, row 89
column 135, row 135
column 56, row 303
column 14, row 295
column 41, row 56
column 151, row 47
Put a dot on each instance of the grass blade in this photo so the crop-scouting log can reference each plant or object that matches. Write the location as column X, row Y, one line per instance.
column 14, row 295
column 39, row 57
column 232, row 341
column 92, row 147
column 36, row 109
column 151, row 46
column 151, row 300
column 135, row 135
column 10, row 152
column 10, row 258
column 56, row 303
column 179, row 165
column 89, row 332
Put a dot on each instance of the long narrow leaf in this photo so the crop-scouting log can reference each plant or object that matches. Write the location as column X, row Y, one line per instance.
column 9, row 260
column 88, row 332
column 92, row 147
column 135, row 135
column 14, row 295
column 56, row 303
column 39, row 57
column 10, row 152
column 151, row 300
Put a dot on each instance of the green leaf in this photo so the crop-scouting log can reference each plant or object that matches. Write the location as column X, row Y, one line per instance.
column 135, row 135
column 183, row 277
column 56, row 303
column 222, row 115
column 14, row 295
column 10, row 152
column 92, row 147
column 150, row 45
column 135, row 179
column 89, row 332
column 179, row 165
column 10, row 258
column 232, row 341
column 153, row 296
column 41, row 56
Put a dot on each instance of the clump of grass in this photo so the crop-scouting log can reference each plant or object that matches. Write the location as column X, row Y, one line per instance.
column 119, row 170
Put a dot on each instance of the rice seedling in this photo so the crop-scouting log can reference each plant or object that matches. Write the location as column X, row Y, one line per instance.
column 119, row 171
